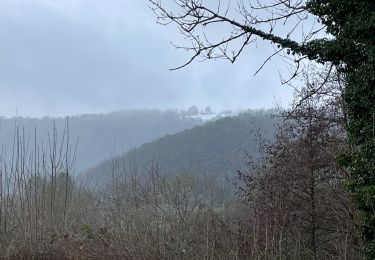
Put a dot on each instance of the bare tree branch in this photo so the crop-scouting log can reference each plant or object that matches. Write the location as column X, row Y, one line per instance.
column 194, row 16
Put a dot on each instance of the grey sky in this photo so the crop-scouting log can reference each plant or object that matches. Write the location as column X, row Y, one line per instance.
column 60, row 57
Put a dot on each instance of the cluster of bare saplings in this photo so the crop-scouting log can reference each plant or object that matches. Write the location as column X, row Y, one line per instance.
column 292, row 204
column 45, row 214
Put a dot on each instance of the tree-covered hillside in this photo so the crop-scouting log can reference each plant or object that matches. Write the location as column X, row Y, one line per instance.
column 100, row 136
column 215, row 148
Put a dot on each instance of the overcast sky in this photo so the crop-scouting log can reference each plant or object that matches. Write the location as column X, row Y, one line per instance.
column 64, row 57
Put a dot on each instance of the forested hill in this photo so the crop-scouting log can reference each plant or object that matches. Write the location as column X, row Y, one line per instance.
column 216, row 147
column 101, row 135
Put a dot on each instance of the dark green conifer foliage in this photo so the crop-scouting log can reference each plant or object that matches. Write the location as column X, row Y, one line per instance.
column 352, row 22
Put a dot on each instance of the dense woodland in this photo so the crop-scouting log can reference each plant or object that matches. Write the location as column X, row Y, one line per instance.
column 217, row 148
column 303, row 190
column 260, row 185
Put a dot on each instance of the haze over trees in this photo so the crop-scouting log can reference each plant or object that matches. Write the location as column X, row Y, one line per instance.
column 102, row 136
column 346, row 46
column 288, row 183
column 216, row 148
column 291, row 202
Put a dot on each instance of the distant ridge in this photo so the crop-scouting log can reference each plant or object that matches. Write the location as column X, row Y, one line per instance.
column 100, row 135
column 213, row 148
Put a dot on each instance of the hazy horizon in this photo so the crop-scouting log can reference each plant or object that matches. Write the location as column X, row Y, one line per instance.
column 81, row 57
column 177, row 110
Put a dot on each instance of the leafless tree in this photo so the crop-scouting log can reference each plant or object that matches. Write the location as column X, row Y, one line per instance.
column 224, row 29
column 301, row 209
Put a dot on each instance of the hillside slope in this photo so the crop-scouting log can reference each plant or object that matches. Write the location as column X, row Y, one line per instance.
column 216, row 147
column 99, row 136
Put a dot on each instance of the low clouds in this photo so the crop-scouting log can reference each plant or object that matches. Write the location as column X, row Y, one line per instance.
column 80, row 56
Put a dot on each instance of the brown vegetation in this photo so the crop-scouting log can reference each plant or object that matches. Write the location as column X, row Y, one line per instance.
column 292, row 203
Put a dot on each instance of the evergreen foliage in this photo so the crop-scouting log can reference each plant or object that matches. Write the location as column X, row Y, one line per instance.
column 353, row 51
